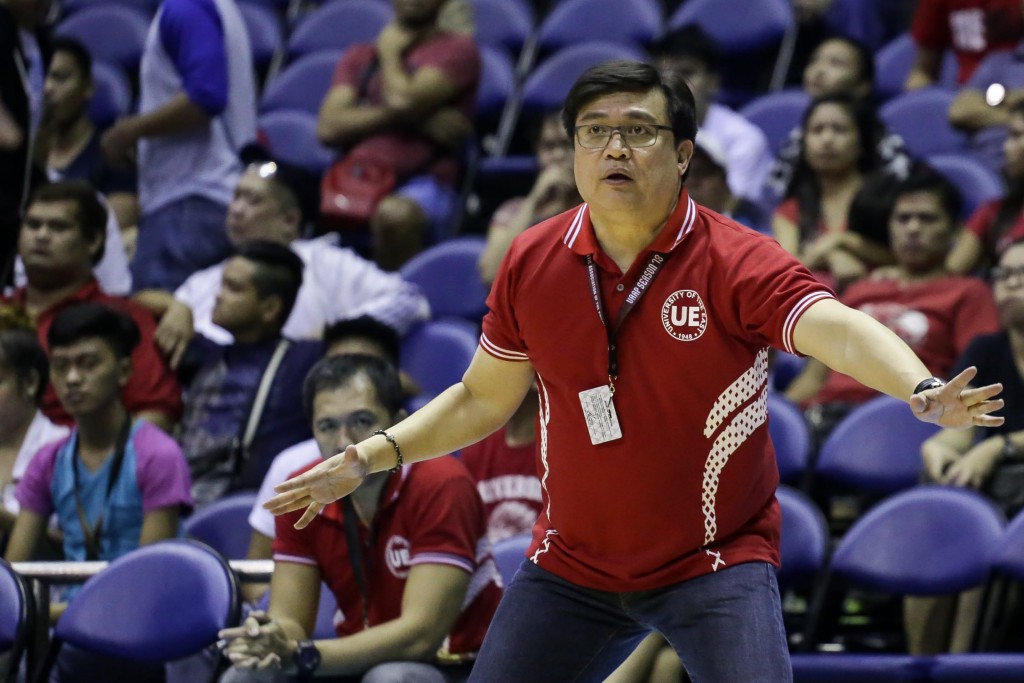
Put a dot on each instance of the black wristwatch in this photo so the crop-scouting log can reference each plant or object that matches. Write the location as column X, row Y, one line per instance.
column 930, row 383
column 306, row 660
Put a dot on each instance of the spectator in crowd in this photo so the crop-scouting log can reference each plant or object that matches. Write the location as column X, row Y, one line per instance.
column 707, row 183
column 61, row 238
column 417, row 607
column 21, row 85
column 553, row 192
column 197, row 109
column 838, row 66
column 504, row 467
column 840, row 137
column 337, row 283
column 243, row 400
column 690, row 52
column 935, row 312
column 971, row 28
column 23, row 427
column 406, row 101
column 980, row 458
column 999, row 222
column 116, row 483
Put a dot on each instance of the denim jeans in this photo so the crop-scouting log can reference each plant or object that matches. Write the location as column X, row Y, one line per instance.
column 725, row 626
column 388, row 672
column 177, row 240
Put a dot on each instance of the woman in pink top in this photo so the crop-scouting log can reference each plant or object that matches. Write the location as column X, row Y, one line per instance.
column 840, row 136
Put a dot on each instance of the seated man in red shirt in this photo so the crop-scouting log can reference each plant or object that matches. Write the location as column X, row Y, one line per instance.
column 406, row 100
column 415, row 593
column 62, row 236
column 935, row 312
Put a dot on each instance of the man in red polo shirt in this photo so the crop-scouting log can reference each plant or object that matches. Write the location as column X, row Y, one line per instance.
column 62, row 237
column 646, row 321
column 427, row 589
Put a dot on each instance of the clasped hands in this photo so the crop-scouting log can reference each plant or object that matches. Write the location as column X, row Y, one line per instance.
column 259, row 644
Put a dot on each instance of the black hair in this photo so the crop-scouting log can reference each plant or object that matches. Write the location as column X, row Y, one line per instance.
column 689, row 41
column 1013, row 202
column 90, row 214
column 365, row 327
column 87, row 320
column 631, row 76
column 872, row 206
column 804, row 184
column 22, row 354
column 865, row 58
column 278, row 272
column 923, row 178
column 336, row 372
column 79, row 55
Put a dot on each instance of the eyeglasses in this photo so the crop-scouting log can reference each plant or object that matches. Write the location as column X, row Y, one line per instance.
column 1001, row 275
column 359, row 424
column 597, row 135
column 266, row 170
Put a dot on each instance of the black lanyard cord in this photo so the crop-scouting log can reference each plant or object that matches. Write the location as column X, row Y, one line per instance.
column 93, row 533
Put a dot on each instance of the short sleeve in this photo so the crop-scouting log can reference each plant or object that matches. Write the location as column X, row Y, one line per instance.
column 193, row 37
column 930, row 27
column 34, row 492
column 291, row 544
column 500, row 336
column 162, row 472
column 981, row 221
column 349, row 70
column 450, row 519
column 153, row 385
column 767, row 290
column 789, row 209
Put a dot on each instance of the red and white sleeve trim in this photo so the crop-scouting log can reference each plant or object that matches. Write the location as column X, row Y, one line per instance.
column 794, row 315
column 297, row 559
column 443, row 558
column 498, row 352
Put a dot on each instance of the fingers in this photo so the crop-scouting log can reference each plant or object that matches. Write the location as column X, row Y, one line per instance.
column 231, row 633
column 271, row 661
column 988, row 420
column 309, row 515
column 177, row 351
column 288, row 502
column 981, row 394
column 960, row 382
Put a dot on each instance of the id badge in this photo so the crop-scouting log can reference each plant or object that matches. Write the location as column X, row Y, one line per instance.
column 599, row 412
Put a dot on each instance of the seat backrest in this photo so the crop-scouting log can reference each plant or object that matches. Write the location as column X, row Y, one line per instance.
column 737, row 25
column 112, row 94
column 437, row 353
column 930, row 540
column 157, row 603
column 291, row 135
column 894, row 61
column 448, row 276
column 111, row 32
column 633, row 22
column 921, row 118
column 509, row 554
column 503, row 24
column 777, row 114
column 497, row 82
column 975, row 181
column 224, row 524
column 1010, row 558
column 790, row 437
column 804, row 537
column 302, row 85
column 876, row 448
column 338, row 25
column 546, row 87
column 264, row 28
column 15, row 620
column 325, row 611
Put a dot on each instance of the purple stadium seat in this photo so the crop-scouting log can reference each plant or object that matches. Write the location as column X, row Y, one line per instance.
column 110, row 32
column 302, row 85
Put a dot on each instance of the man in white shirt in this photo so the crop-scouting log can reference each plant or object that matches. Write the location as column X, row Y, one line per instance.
column 337, row 283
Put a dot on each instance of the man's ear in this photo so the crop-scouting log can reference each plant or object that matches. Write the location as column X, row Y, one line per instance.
column 124, row 371
column 271, row 308
column 684, row 152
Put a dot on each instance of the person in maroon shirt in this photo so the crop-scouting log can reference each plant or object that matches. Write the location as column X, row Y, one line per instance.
column 656, row 463
column 62, row 237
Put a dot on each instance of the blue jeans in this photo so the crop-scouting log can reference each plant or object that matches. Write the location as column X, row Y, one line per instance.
column 726, row 628
column 177, row 240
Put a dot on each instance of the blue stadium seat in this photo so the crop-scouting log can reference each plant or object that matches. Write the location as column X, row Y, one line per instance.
column 336, row 26
column 291, row 135
column 737, row 25
column 777, row 114
column 224, row 525
column 110, row 32
column 436, row 355
column 976, row 182
column 509, row 554
column 921, row 118
column 448, row 276
column 804, row 538
column 632, row 22
column 546, row 87
column 894, row 61
column 497, row 83
column 302, row 85
column 790, row 437
column 502, row 24
column 16, row 621
column 264, row 28
column 112, row 94
column 148, row 7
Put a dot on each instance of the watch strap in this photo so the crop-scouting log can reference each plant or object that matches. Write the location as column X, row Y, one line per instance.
column 930, row 383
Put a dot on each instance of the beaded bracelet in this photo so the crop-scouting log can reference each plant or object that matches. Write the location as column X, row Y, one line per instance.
column 394, row 444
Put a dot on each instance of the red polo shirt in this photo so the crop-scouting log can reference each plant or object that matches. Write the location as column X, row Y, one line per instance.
column 430, row 513
column 971, row 28
column 153, row 386
column 690, row 485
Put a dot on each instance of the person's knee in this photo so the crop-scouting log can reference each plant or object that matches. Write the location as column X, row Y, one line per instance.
column 399, row 229
column 403, row 672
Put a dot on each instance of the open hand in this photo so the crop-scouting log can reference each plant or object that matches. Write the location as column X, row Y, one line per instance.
column 332, row 479
column 956, row 407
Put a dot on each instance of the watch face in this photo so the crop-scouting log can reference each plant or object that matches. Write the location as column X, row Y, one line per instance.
column 307, row 657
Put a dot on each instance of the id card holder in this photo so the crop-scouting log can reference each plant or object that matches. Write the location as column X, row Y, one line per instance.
column 599, row 412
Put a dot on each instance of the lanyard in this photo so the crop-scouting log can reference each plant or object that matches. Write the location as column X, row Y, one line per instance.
column 355, row 555
column 643, row 283
column 92, row 534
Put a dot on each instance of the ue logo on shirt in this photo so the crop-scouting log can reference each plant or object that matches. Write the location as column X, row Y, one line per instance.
column 396, row 554
column 684, row 315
